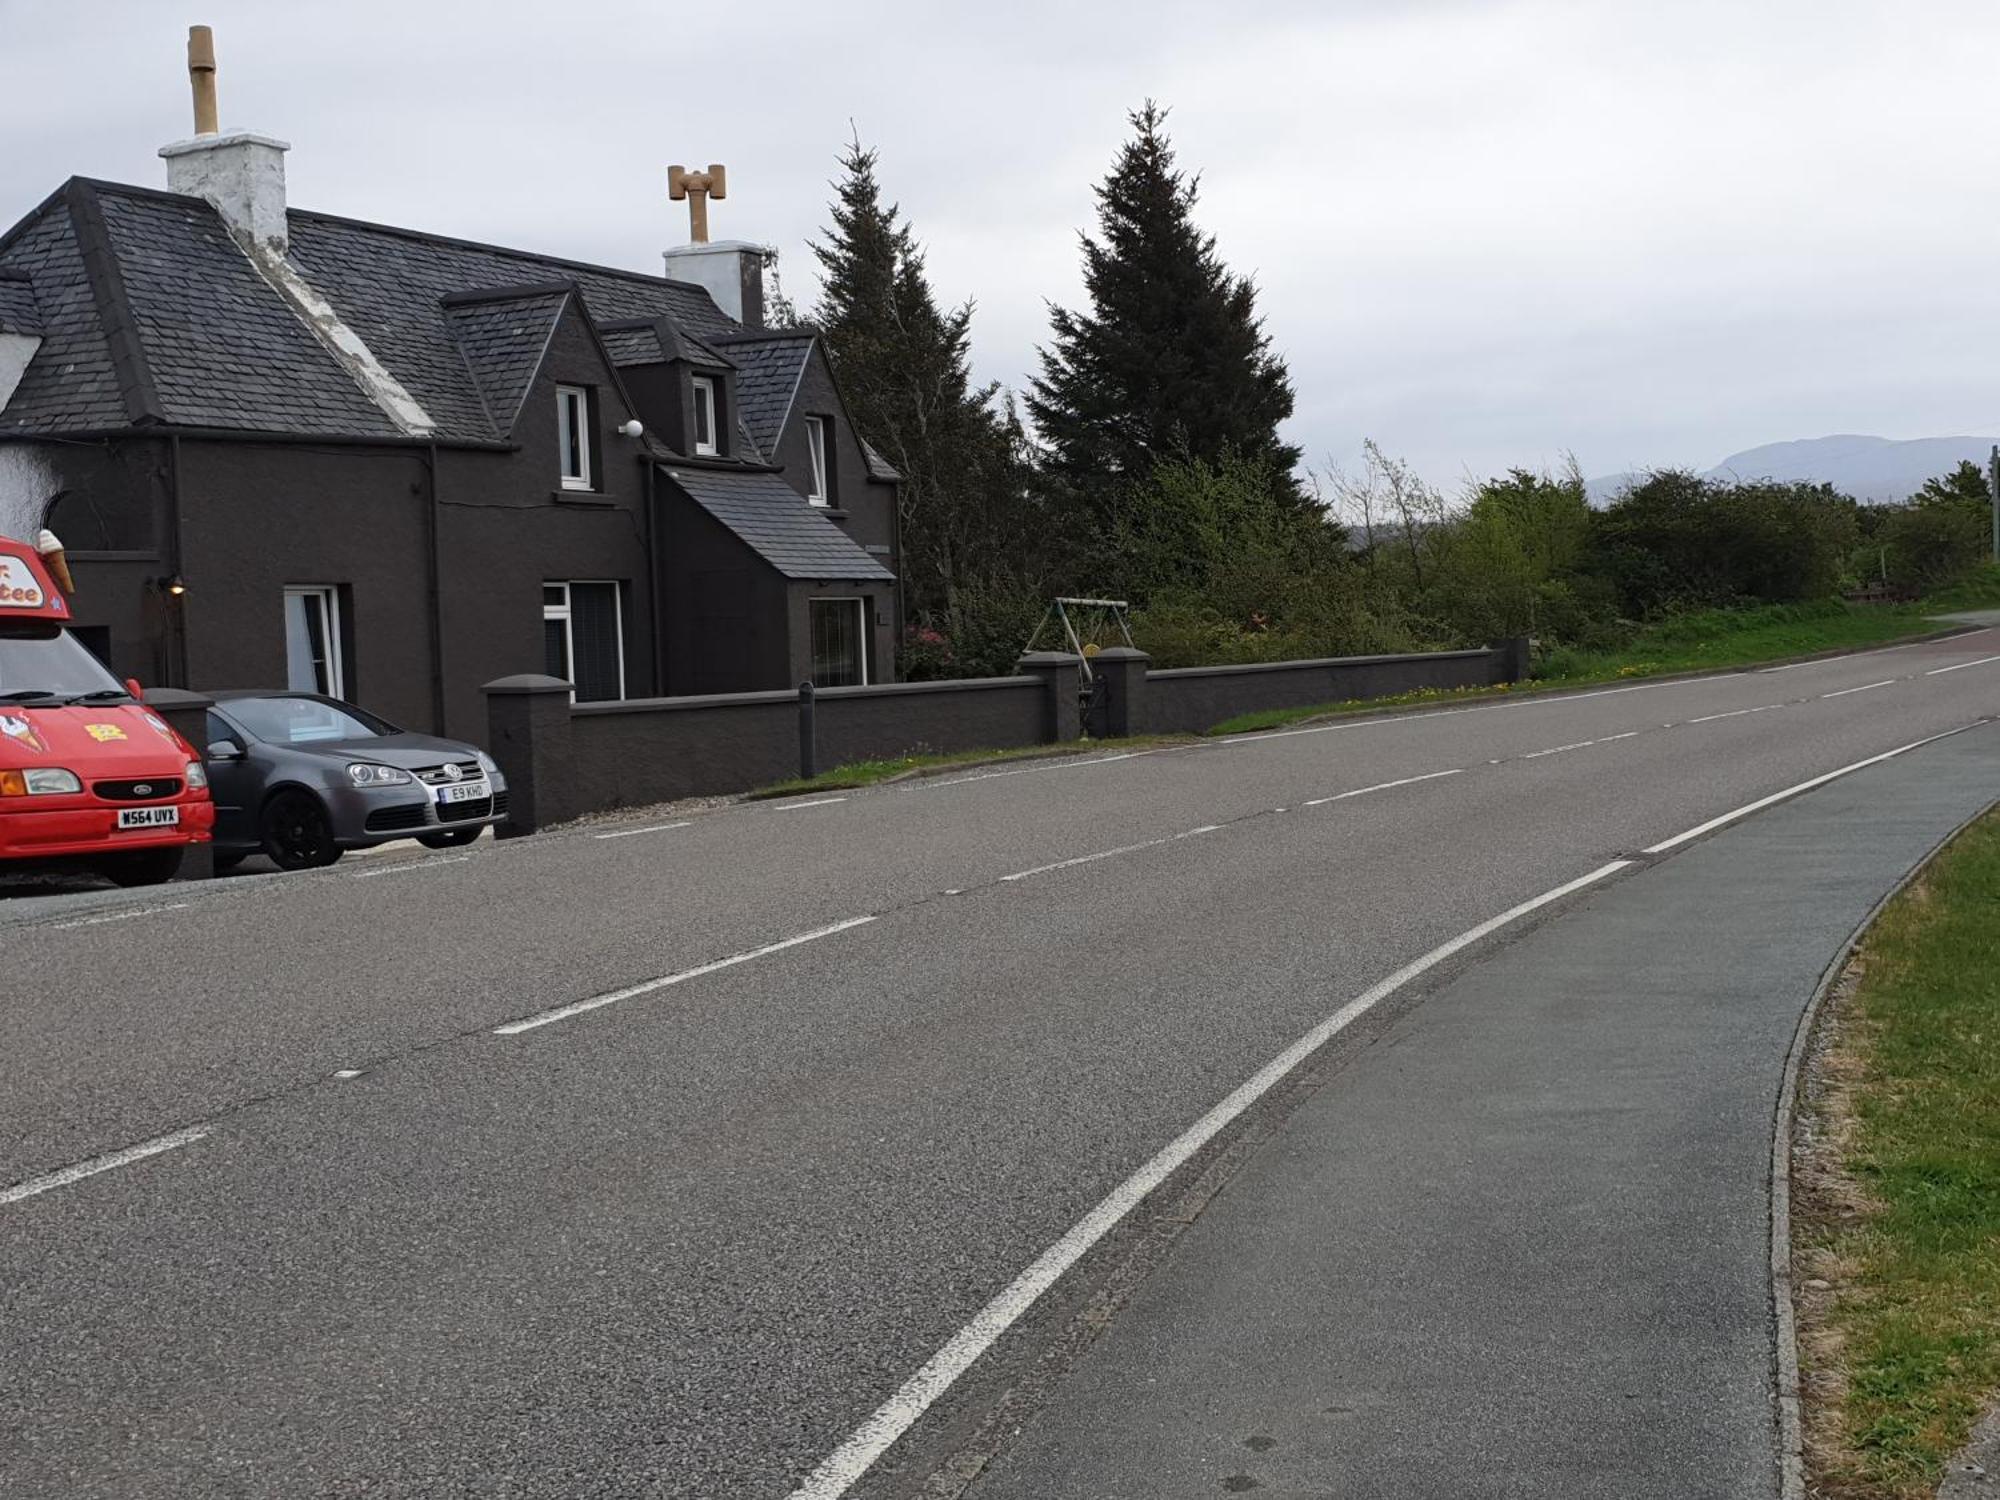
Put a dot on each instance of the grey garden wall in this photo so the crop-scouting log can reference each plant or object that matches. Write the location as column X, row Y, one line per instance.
column 564, row 760
column 1191, row 700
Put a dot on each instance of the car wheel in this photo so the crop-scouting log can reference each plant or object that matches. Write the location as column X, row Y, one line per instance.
column 142, row 866
column 451, row 838
column 297, row 833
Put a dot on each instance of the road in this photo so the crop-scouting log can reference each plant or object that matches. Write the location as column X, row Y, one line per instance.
column 657, row 1159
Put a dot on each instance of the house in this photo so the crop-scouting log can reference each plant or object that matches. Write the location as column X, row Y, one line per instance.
column 289, row 448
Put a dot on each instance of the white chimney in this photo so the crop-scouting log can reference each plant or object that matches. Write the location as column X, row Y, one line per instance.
column 241, row 173
column 732, row 272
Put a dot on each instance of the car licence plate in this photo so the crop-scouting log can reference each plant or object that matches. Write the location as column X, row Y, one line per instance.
column 148, row 817
column 465, row 791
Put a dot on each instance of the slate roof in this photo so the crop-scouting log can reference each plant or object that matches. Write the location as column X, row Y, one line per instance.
column 18, row 312
column 768, row 368
column 633, row 346
column 775, row 521
column 503, row 340
column 153, row 315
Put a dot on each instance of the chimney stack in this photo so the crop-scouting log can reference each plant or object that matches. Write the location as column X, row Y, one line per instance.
column 731, row 271
column 241, row 173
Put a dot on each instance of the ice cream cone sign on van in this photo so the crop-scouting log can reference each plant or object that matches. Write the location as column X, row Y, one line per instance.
column 90, row 778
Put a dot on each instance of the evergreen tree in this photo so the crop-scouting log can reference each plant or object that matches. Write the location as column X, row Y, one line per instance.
column 903, row 364
column 1171, row 360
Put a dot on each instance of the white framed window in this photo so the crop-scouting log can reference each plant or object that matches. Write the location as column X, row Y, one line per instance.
column 312, row 640
column 704, row 414
column 816, row 461
column 573, row 435
column 583, row 637
column 839, row 642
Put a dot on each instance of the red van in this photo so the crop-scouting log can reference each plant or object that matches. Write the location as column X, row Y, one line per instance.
column 89, row 777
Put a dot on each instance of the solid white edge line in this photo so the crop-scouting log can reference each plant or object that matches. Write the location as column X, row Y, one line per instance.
column 1865, row 687
column 1382, row 786
column 1445, row 713
column 626, row 833
column 1804, row 786
column 1080, row 763
column 596, row 1002
column 103, row 1163
column 1960, row 665
column 816, row 802
column 416, row 864
column 894, row 1417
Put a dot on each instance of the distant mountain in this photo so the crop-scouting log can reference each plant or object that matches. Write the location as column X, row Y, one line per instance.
column 1868, row 468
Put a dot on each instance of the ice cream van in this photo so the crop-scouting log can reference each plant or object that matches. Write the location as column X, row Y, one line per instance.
column 90, row 777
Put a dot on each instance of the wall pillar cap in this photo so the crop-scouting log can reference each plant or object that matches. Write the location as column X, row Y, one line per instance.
column 525, row 684
column 1050, row 659
column 167, row 697
column 1122, row 653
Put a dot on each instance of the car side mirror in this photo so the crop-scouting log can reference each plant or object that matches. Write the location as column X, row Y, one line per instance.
column 224, row 750
column 132, row 687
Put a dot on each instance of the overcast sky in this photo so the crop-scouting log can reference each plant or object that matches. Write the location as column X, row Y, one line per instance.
column 1485, row 231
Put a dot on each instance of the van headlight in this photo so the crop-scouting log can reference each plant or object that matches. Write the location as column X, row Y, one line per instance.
column 39, row 781
column 197, row 776
column 361, row 773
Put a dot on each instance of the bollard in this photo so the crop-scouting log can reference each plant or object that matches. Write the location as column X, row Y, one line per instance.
column 808, row 734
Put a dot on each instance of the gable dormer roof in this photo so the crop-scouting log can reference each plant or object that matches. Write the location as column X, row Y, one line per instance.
column 19, row 312
column 504, row 337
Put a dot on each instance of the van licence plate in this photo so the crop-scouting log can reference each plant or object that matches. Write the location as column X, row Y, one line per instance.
column 148, row 817
column 465, row 791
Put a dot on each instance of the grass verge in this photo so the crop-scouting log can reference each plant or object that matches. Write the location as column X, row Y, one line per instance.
column 1710, row 641
column 1896, row 1228
column 862, row 773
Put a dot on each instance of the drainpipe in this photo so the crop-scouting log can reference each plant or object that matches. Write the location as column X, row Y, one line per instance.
column 175, row 609
column 433, row 585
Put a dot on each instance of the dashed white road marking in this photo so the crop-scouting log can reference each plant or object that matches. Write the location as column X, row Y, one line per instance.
column 816, row 802
column 597, row 1002
column 1734, row 713
column 627, row 833
column 1558, row 749
column 1959, row 666
column 103, row 1163
column 121, row 916
column 1804, row 786
column 1630, row 734
column 1885, row 682
column 1086, row 859
column 847, row 1463
column 433, row 863
column 1383, row 786
column 346, row 1073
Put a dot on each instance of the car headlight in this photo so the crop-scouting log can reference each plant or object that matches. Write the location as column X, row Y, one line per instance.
column 361, row 773
column 197, row 776
column 487, row 763
column 39, row 781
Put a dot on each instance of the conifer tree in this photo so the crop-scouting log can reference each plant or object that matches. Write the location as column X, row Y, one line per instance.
column 1170, row 361
column 903, row 365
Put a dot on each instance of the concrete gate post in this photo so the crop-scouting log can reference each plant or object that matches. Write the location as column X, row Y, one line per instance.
column 1514, row 660
column 1123, row 672
column 1062, row 679
column 528, row 734
column 187, row 715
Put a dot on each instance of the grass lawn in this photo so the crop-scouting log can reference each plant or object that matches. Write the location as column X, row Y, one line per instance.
column 869, row 772
column 1897, row 1234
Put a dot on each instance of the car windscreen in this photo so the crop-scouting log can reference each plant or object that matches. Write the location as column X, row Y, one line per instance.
column 39, row 660
column 303, row 721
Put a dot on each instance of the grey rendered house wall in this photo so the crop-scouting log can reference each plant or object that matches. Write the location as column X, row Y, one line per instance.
column 865, row 509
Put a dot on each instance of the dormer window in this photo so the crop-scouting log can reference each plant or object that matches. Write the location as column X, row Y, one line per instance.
column 573, row 435
column 816, row 461
column 704, row 414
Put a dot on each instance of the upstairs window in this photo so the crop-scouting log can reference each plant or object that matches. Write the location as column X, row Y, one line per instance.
column 312, row 640
column 816, row 461
column 704, row 414
column 573, row 435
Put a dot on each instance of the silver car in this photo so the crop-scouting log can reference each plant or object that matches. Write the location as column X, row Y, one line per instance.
column 302, row 779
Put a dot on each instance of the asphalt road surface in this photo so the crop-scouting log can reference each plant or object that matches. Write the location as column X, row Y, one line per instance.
column 785, row 1149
